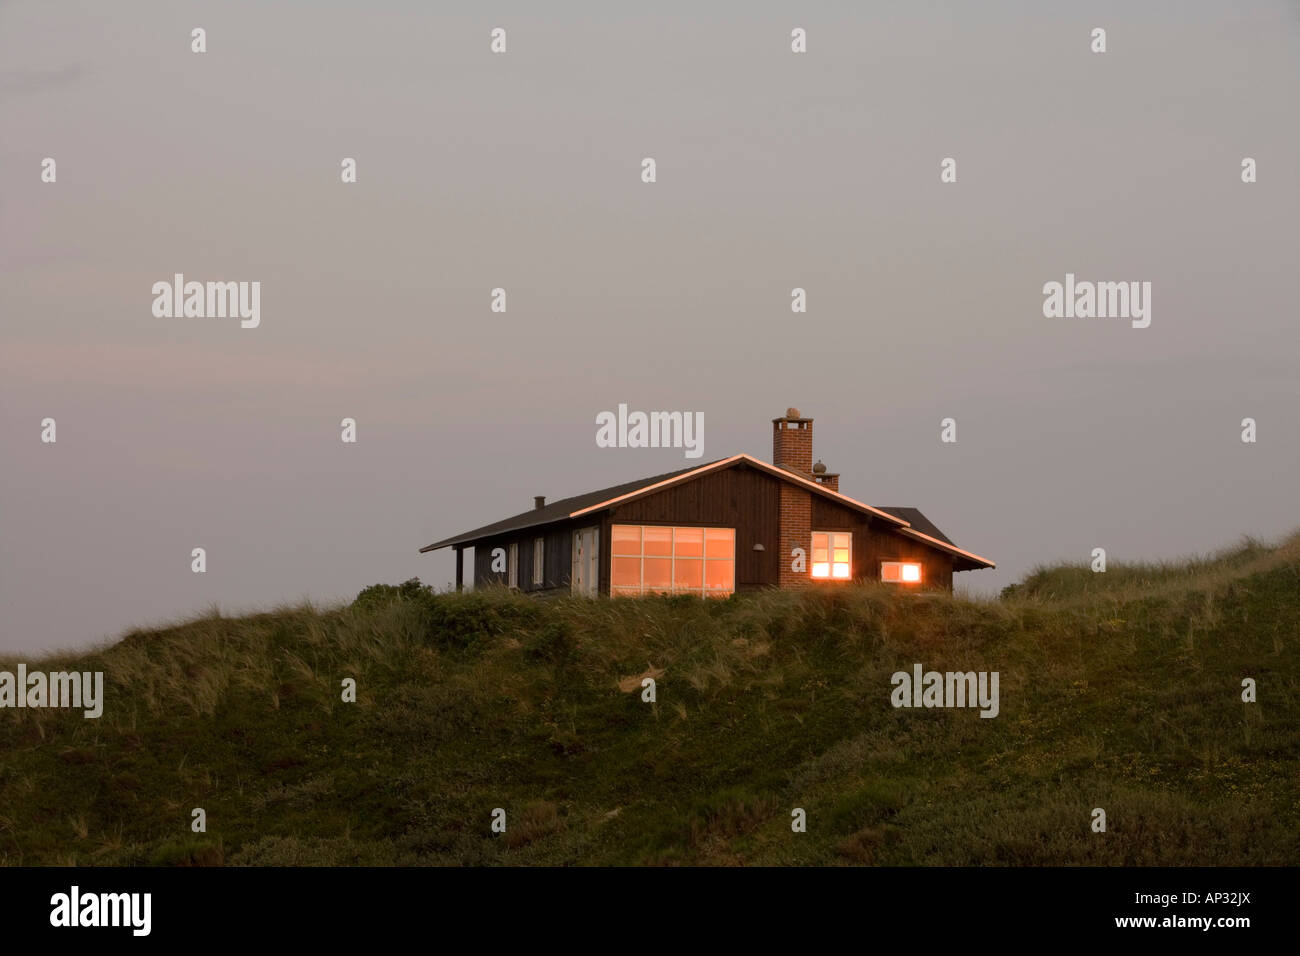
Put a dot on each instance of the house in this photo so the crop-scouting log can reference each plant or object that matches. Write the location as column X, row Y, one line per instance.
column 729, row 525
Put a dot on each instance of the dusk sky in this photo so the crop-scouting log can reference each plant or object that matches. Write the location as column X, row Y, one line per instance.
column 522, row 171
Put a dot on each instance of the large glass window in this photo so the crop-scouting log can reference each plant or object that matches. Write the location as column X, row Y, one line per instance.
column 832, row 554
column 653, row 559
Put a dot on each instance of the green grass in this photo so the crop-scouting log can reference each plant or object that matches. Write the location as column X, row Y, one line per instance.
column 1118, row 690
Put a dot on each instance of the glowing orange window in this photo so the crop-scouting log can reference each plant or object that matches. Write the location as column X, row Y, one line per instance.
column 653, row 559
column 832, row 554
column 900, row 572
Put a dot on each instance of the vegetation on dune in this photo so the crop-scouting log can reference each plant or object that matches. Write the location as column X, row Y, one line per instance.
column 1119, row 690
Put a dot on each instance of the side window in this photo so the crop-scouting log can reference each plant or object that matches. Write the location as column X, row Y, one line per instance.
column 539, row 561
column 900, row 572
column 832, row 554
column 512, row 565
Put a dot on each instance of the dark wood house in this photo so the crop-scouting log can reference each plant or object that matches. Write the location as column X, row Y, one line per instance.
column 729, row 525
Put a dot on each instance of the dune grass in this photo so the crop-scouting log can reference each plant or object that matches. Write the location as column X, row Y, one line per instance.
column 1119, row 690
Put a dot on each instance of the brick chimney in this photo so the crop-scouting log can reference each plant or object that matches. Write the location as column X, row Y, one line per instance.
column 825, row 478
column 792, row 450
column 792, row 443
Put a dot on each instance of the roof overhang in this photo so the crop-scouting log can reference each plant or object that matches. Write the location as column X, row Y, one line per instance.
column 464, row 540
column 974, row 559
column 898, row 524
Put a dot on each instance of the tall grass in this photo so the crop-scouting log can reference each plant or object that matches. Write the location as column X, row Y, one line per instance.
column 1119, row 691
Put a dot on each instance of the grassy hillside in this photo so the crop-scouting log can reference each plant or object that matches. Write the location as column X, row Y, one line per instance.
column 1119, row 691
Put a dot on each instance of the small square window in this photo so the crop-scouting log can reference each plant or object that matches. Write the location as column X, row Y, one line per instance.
column 900, row 572
column 832, row 555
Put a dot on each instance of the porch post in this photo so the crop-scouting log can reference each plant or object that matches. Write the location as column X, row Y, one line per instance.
column 460, row 567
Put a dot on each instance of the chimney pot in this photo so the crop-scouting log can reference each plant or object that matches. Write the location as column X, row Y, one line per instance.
column 792, row 442
column 539, row 501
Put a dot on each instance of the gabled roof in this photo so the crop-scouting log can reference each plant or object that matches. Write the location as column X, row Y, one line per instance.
column 783, row 473
column 555, row 511
column 974, row 560
column 918, row 521
column 908, row 521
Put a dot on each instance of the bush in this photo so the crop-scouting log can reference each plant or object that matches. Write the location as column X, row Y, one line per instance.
column 456, row 620
column 554, row 645
column 459, row 621
column 377, row 595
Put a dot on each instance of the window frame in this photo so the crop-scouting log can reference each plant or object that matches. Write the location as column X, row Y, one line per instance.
column 539, row 562
column 830, row 556
column 901, row 564
column 512, row 565
column 704, row 591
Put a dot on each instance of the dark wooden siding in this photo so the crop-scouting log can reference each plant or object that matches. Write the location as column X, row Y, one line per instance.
column 603, row 552
column 740, row 498
column 874, row 541
column 558, row 566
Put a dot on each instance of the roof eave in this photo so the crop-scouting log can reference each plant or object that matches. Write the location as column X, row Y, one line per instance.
column 977, row 562
column 473, row 538
column 903, row 526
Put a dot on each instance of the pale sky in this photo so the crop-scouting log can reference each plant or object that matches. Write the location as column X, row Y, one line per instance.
column 522, row 171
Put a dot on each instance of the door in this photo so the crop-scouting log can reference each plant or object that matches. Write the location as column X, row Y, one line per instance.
column 586, row 565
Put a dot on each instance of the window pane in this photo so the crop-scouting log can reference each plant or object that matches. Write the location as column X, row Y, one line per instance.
column 720, row 574
column 689, row 543
column 689, row 573
column 658, row 541
column 626, row 539
column 658, row 573
column 819, row 540
column 820, row 555
column 842, row 555
column 841, row 570
column 889, row 571
column 625, row 572
column 821, row 570
column 841, row 541
column 719, row 542
column 911, row 572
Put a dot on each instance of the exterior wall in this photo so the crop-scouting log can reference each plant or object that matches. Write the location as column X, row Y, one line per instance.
column 796, row 508
column 763, row 510
column 558, row 559
column 606, row 549
column 874, row 541
column 742, row 498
